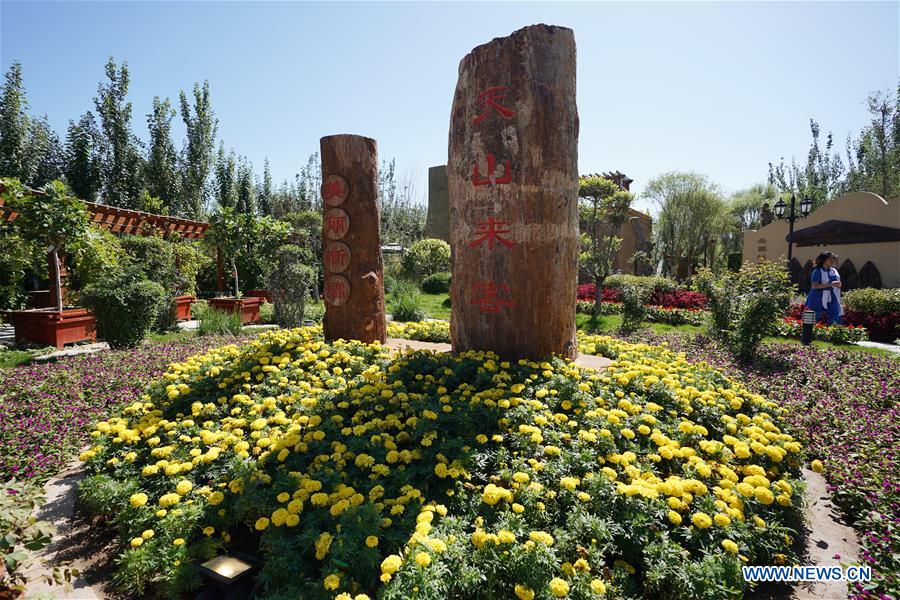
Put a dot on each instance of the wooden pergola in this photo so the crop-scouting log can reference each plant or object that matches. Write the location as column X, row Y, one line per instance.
column 123, row 221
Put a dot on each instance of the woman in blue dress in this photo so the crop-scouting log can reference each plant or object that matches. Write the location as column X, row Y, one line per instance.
column 824, row 294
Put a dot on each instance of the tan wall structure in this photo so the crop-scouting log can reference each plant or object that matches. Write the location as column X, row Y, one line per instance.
column 637, row 235
column 437, row 224
column 856, row 216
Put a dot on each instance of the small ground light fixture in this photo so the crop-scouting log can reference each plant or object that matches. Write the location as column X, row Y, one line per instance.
column 225, row 569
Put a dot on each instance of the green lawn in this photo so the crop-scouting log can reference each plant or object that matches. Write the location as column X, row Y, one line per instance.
column 431, row 304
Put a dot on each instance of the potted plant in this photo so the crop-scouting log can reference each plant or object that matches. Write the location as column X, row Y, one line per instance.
column 51, row 218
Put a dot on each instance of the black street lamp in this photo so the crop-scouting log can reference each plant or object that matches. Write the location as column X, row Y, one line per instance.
column 805, row 206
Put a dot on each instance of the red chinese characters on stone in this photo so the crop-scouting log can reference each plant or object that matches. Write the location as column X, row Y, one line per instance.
column 490, row 100
column 492, row 297
column 337, row 290
column 477, row 179
column 337, row 257
column 490, row 231
column 336, row 223
column 334, row 190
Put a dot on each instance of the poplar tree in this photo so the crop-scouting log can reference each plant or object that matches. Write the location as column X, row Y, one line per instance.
column 162, row 160
column 265, row 191
column 13, row 124
column 225, row 179
column 82, row 157
column 201, row 125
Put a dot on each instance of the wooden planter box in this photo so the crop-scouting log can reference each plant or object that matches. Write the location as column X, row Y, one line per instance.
column 183, row 307
column 247, row 307
column 264, row 294
column 40, row 299
column 52, row 327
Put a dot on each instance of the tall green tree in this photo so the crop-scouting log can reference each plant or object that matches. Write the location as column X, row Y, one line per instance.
column 225, row 184
column 123, row 183
column 13, row 125
column 162, row 159
column 82, row 157
column 820, row 179
column 689, row 220
column 44, row 159
column 264, row 194
column 603, row 209
column 246, row 194
column 201, row 125
column 874, row 157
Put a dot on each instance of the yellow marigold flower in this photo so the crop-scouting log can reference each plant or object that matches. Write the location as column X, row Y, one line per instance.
column 701, row 520
column 292, row 520
column 559, row 587
column 283, row 497
column 598, row 587
column 216, row 498
column 504, row 536
column 764, row 495
column 261, row 523
column 542, row 537
column 138, row 500
column 674, row 517
column 207, row 531
column 137, row 542
column 372, row 541
column 169, row 500
column 391, row 564
column 332, row 582
column 184, row 486
column 569, row 483
column 148, row 533
column 178, row 541
column 524, row 593
column 730, row 546
column 423, row 559
column 323, row 544
column 722, row 520
column 518, row 508
column 817, row 466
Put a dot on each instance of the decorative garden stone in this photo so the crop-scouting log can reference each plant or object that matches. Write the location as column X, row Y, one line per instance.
column 354, row 285
column 513, row 186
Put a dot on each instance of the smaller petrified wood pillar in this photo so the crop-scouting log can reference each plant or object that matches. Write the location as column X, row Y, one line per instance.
column 351, row 240
column 513, row 184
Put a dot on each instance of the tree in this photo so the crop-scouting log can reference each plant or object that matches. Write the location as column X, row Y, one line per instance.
column 226, row 178
column 820, row 180
column 246, row 194
column 874, row 158
column 13, row 125
column 122, row 161
column 201, row 128
column 264, row 193
column 44, row 160
column 603, row 215
column 228, row 231
column 690, row 218
column 162, row 161
column 82, row 157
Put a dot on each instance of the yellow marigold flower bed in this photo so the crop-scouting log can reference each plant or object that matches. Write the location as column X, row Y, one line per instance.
column 352, row 472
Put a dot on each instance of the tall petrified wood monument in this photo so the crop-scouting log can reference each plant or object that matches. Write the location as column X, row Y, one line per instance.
column 513, row 184
column 351, row 239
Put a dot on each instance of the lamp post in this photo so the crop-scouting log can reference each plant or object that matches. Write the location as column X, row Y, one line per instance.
column 780, row 206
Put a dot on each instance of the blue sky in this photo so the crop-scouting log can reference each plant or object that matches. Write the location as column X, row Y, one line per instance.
column 716, row 87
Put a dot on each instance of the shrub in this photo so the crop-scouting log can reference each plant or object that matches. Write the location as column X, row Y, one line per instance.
column 745, row 306
column 653, row 283
column 872, row 301
column 425, row 258
column 289, row 283
column 126, row 307
column 315, row 312
column 197, row 309
column 881, row 328
column 430, row 331
column 218, row 322
column 152, row 256
column 475, row 477
column 633, row 310
column 588, row 291
column 437, row 283
column 677, row 299
column 406, row 304
column 836, row 334
column 267, row 312
column 389, row 283
column 190, row 261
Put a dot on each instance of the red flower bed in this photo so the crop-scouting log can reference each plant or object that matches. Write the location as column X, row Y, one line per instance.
column 588, row 292
column 676, row 299
column 881, row 328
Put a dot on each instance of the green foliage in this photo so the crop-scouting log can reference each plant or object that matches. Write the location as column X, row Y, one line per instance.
column 315, row 312
column 267, row 313
column 83, row 168
column 51, row 218
column 426, row 257
column 746, row 306
column 218, row 322
column 162, row 161
column 874, row 157
column 22, row 534
column 402, row 218
column 13, row 125
column 406, row 304
column 126, row 307
column 872, row 301
column 152, row 256
column 633, row 310
column 651, row 283
column 190, row 259
column 289, row 284
column 691, row 220
column 15, row 260
column 438, row 283
column 201, row 126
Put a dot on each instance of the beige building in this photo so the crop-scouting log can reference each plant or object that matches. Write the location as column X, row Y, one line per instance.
column 862, row 228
